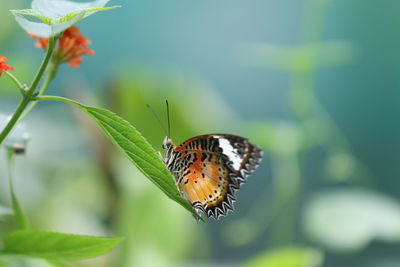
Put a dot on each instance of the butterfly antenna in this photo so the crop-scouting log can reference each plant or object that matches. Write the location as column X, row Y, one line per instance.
column 157, row 118
column 169, row 124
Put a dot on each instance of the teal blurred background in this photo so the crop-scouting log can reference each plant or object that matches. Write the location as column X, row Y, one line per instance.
column 314, row 82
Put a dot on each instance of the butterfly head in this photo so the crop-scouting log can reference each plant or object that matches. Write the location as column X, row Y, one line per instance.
column 167, row 142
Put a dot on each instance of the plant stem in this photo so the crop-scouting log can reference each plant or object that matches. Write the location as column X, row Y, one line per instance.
column 28, row 97
column 19, row 214
column 51, row 73
column 17, row 82
column 43, row 66
column 11, row 123
column 59, row 98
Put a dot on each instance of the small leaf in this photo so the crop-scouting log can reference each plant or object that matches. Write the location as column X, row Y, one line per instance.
column 42, row 29
column 136, row 147
column 60, row 246
column 56, row 15
column 56, row 11
column 26, row 12
column 288, row 257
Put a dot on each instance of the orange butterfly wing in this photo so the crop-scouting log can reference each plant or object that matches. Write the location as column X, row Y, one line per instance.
column 206, row 184
column 216, row 166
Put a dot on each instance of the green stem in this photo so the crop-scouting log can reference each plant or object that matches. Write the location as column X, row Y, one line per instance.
column 11, row 123
column 51, row 73
column 59, row 98
column 19, row 214
column 20, row 86
column 30, row 92
column 43, row 66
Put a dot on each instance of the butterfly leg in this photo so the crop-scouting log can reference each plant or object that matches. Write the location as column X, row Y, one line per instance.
column 159, row 154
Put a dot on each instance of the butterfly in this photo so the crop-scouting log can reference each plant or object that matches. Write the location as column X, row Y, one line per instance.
column 209, row 169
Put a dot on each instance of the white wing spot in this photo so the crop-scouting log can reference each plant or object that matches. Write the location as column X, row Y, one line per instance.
column 231, row 152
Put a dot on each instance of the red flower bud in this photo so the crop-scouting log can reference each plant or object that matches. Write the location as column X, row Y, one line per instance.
column 4, row 67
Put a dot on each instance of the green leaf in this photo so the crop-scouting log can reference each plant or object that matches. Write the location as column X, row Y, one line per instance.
column 19, row 214
column 288, row 257
column 60, row 246
column 58, row 10
column 41, row 29
column 139, row 151
column 136, row 147
column 56, row 15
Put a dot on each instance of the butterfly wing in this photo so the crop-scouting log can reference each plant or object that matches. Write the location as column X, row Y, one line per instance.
column 206, row 184
column 213, row 167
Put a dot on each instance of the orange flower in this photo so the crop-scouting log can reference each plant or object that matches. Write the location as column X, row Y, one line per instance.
column 71, row 46
column 4, row 67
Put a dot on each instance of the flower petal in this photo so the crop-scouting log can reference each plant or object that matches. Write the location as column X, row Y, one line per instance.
column 71, row 46
column 3, row 59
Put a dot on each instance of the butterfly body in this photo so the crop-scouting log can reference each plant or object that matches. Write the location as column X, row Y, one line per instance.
column 209, row 169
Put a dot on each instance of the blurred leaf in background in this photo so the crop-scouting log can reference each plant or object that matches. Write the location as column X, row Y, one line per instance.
column 349, row 219
column 288, row 257
column 56, row 246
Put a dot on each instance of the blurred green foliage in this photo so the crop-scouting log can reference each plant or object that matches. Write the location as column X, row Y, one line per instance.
column 288, row 257
column 56, row 246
